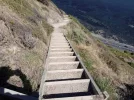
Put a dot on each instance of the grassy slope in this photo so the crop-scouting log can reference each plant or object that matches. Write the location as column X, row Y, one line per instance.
column 124, row 56
column 103, row 65
column 29, row 34
column 30, row 14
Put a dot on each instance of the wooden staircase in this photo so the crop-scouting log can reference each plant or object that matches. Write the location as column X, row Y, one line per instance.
column 65, row 77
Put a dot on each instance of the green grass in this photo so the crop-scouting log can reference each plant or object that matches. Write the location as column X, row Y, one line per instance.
column 20, row 6
column 85, row 59
column 36, row 32
column 78, row 33
column 121, row 53
column 23, row 8
column 33, row 59
column 131, row 64
column 105, row 84
column 32, row 62
column 76, row 37
column 47, row 27
column 82, row 26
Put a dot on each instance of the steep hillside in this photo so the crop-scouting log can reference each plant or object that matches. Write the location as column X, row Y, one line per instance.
column 110, row 72
column 110, row 19
column 25, row 32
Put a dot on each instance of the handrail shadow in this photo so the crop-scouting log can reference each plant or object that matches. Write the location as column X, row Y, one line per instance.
column 6, row 94
column 6, row 72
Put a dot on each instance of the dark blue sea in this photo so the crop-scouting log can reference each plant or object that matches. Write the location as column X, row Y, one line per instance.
column 114, row 17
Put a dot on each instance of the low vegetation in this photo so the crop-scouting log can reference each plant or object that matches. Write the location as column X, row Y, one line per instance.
column 30, row 14
column 21, row 7
column 47, row 27
column 77, row 34
column 85, row 58
column 37, row 32
column 104, row 66
column 82, row 26
column 104, row 83
column 26, row 33
column 121, row 53
column 125, row 56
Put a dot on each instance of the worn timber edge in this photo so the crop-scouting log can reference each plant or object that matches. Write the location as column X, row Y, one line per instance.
column 94, row 85
column 43, row 79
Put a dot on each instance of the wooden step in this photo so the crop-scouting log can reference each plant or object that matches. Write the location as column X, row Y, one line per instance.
column 61, row 50
column 73, row 86
column 63, row 65
column 62, row 59
column 57, row 54
column 64, row 74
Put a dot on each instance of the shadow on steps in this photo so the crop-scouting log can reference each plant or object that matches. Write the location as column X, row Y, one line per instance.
column 6, row 72
column 126, row 93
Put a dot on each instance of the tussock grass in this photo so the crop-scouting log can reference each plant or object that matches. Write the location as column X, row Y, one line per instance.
column 82, row 26
column 33, row 68
column 33, row 58
column 22, row 7
column 37, row 32
column 85, row 58
column 80, row 37
column 47, row 27
column 121, row 53
column 76, row 37
column 31, row 29
column 105, row 84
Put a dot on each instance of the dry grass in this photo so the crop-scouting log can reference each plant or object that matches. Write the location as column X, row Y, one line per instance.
column 108, row 71
column 77, row 34
column 121, row 53
column 82, row 26
column 124, row 56
column 47, row 27
column 26, row 32
column 38, row 33
column 104, row 82
column 22, row 7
